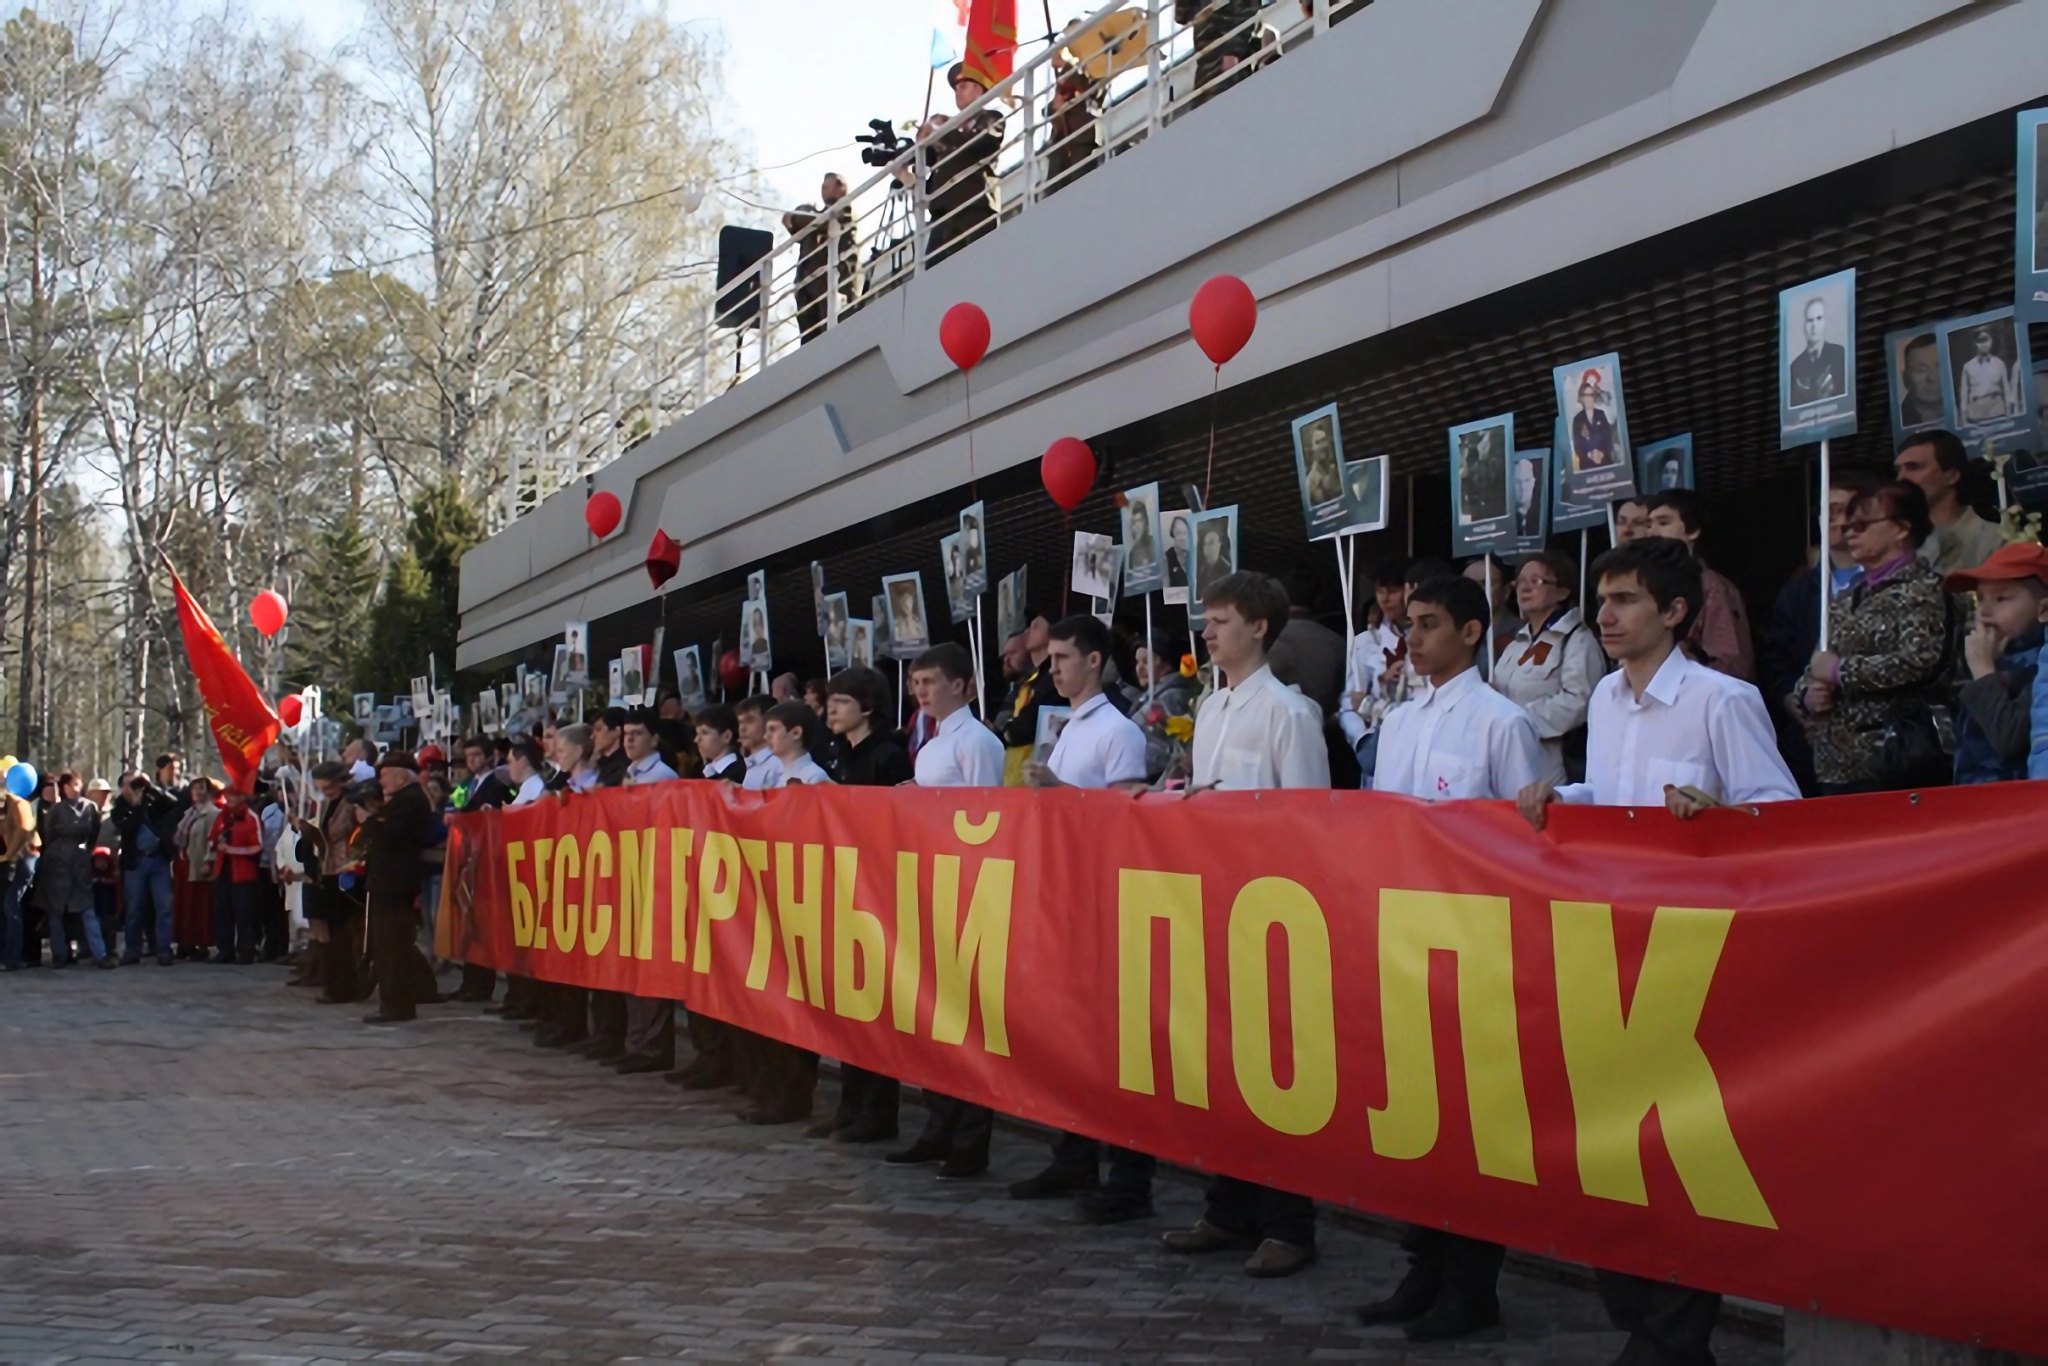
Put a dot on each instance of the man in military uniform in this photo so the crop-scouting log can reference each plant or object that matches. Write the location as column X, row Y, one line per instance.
column 813, row 227
column 1226, row 39
column 1820, row 371
column 960, row 180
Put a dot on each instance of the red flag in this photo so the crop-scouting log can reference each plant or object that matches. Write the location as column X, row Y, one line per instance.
column 991, row 40
column 242, row 722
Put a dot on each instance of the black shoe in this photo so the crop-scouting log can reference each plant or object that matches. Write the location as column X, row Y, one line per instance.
column 107, row 961
column 378, row 1017
column 1113, row 1207
column 1411, row 1299
column 824, row 1128
column 866, row 1131
column 963, row 1168
column 610, row 1052
column 635, row 1066
column 596, row 1043
column 917, row 1155
column 1453, row 1316
column 130, row 962
column 1053, row 1181
column 164, row 960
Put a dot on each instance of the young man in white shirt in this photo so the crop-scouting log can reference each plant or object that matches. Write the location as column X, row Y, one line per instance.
column 650, row 1041
column 523, row 767
column 1251, row 734
column 763, row 768
column 716, row 729
column 962, row 752
column 1456, row 740
column 1100, row 747
column 1381, row 674
column 1663, row 728
column 789, row 727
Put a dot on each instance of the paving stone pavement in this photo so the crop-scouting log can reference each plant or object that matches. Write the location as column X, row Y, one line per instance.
column 199, row 1164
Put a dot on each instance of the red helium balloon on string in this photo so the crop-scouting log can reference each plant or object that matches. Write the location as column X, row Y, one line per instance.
column 963, row 334
column 1069, row 472
column 268, row 611
column 1222, row 317
column 291, row 709
column 731, row 672
column 602, row 514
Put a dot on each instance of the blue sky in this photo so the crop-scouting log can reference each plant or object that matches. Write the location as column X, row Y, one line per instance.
column 802, row 76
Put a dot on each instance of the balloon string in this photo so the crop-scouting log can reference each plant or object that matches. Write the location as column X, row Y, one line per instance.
column 1210, row 477
column 1067, row 593
column 973, row 483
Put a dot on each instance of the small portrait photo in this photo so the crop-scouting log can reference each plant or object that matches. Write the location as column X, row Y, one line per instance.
column 1051, row 721
column 860, row 637
column 953, row 566
column 1599, row 464
column 422, row 698
column 754, row 644
column 1215, row 533
column 836, row 616
column 1913, row 358
column 1144, row 566
column 576, row 634
column 1816, row 362
column 757, row 586
column 1010, row 600
column 557, row 681
column 2040, row 398
column 1180, row 556
column 2032, row 235
column 1482, row 484
column 634, row 674
column 1532, row 500
column 1319, row 471
column 690, row 677
column 363, row 707
column 878, row 613
column 1094, row 569
column 818, row 593
column 615, row 683
column 1983, row 367
column 974, row 549
column 909, row 635
column 510, row 693
column 1365, row 495
column 487, row 718
column 1664, row 465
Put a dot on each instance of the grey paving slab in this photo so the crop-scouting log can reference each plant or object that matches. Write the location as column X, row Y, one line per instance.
column 199, row 1164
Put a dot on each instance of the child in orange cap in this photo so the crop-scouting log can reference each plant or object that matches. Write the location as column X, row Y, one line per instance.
column 2001, row 720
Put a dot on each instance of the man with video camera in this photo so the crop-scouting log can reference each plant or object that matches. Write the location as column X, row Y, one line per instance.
column 814, row 227
column 960, row 179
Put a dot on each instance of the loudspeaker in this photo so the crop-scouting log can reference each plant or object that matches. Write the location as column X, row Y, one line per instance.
column 739, row 251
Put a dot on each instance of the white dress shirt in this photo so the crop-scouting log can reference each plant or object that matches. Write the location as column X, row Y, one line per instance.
column 361, row 772
column 1259, row 734
column 649, row 770
column 805, row 772
column 764, row 770
column 1460, row 741
column 1099, row 746
column 961, row 753
column 583, row 780
column 1692, row 727
column 529, row 791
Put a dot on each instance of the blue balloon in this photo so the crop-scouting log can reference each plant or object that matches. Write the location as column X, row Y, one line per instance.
column 21, row 781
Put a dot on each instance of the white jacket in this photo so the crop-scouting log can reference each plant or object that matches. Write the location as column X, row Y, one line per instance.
column 1551, row 674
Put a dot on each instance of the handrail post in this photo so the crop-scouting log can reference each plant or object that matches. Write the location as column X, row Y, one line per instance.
column 1155, row 73
column 920, row 212
column 831, row 270
column 761, row 309
column 1030, row 137
column 1320, row 10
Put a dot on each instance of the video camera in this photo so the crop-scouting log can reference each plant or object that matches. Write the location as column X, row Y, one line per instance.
column 881, row 146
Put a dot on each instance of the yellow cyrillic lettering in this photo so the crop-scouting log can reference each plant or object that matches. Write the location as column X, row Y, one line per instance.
column 1621, row 1065
column 636, row 894
column 755, row 852
column 1305, row 1106
column 597, row 925
column 718, row 890
column 981, row 947
column 1479, row 930
column 567, row 865
column 858, row 944
column 522, row 899
column 909, row 962
column 802, row 918
column 682, row 841
column 1176, row 898
column 543, row 875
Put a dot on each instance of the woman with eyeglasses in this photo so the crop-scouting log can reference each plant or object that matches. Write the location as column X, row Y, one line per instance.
column 1888, row 660
column 1552, row 663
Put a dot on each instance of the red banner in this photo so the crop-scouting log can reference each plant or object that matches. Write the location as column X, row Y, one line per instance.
column 242, row 722
column 991, row 41
column 1795, row 1056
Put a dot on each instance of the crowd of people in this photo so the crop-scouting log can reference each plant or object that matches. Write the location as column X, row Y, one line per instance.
column 1465, row 685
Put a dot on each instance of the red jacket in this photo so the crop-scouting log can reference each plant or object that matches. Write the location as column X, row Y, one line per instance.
column 237, row 829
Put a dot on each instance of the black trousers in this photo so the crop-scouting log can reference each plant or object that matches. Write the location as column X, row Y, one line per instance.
column 961, row 1129
column 780, row 1078
column 866, row 1098
column 1667, row 1325
column 522, row 996
column 342, row 965
column 1463, row 1269
column 404, row 977
column 480, row 984
column 271, row 917
column 1254, row 1211
column 237, row 911
column 1130, row 1173
column 568, row 1010
column 608, row 1016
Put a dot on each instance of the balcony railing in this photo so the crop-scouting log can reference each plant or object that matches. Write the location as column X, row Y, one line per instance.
column 1101, row 87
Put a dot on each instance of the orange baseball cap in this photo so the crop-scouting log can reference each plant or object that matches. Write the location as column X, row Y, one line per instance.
column 2016, row 560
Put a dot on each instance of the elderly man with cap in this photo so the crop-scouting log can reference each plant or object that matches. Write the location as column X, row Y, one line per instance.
column 959, row 155
column 395, row 836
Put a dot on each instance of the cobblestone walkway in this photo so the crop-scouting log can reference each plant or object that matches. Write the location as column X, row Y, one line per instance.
column 197, row 1164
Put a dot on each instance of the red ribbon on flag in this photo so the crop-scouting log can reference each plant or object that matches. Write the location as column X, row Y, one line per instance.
column 242, row 722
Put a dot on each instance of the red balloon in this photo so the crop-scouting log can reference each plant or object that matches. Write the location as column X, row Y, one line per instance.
column 268, row 611
column 603, row 514
column 731, row 672
column 963, row 333
column 1222, row 317
column 664, row 558
column 1069, row 472
column 291, row 709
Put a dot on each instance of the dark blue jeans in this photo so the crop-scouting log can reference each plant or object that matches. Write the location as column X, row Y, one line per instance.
column 145, row 886
column 12, row 895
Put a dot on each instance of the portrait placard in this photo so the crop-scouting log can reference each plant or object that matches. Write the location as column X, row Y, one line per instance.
column 1094, row 570
column 1664, row 465
column 1144, row 566
column 1817, row 360
column 1051, row 721
column 2030, row 282
column 1010, row 604
column 1365, row 495
column 909, row 635
column 818, row 594
column 576, row 635
column 1180, row 556
column 1593, row 463
column 1913, row 368
column 363, row 707
column 487, row 719
column 2026, row 479
column 558, row 678
column 615, row 690
column 757, row 586
column 838, row 651
column 690, row 677
column 756, row 650
column 1215, row 533
column 633, row 676
column 953, row 573
column 1532, row 501
column 1319, row 472
column 1985, row 369
column 878, row 613
column 860, row 636
column 1482, row 485
column 974, row 550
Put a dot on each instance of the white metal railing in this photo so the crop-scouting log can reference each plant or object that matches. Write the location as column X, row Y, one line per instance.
column 1099, row 88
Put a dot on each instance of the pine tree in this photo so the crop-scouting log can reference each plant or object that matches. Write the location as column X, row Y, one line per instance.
column 417, row 615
